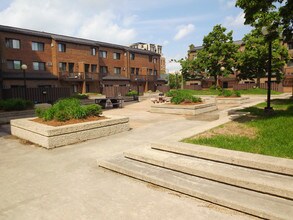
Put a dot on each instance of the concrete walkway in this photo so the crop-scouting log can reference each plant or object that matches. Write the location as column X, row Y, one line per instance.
column 65, row 183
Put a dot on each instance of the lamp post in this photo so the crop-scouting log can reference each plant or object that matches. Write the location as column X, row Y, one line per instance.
column 137, row 87
column 222, row 69
column 266, row 33
column 24, row 67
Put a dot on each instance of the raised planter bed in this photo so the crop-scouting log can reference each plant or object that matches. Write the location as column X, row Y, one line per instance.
column 231, row 100
column 51, row 137
column 195, row 109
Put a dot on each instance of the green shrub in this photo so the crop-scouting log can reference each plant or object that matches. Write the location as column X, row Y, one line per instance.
column 214, row 87
column 229, row 93
column 132, row 93
column 15, row 104
column 80, row 96
column 93, row 110
column 179, row 96
column 67, row 109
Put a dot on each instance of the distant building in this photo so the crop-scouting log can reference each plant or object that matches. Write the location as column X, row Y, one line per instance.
column 153, row 48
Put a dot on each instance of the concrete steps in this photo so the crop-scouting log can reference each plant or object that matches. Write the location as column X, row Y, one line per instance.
column 253, row 191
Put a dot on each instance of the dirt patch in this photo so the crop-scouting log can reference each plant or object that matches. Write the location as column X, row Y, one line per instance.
column 69, row 122
column 231, row 128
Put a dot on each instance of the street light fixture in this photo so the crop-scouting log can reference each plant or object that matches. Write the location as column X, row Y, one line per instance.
column 24, row 67
column 266, row 33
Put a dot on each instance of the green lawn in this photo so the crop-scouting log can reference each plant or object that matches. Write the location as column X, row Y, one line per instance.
column 242, row 92
column 273, row 133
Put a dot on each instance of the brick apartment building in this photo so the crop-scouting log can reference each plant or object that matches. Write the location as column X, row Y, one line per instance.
column 83, row 65
column 228, row 82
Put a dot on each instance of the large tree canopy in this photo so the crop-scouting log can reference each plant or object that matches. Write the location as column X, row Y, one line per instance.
column 255, row 9
column 252, row 62
column 218, row 51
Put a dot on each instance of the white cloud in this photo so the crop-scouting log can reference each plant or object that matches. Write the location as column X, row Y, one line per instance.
column 83, row 18
column 103, row 27
column 235, row 22
column 184, row 31
column 227, row 4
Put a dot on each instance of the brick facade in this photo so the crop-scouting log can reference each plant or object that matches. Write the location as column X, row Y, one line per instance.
column 77, row 65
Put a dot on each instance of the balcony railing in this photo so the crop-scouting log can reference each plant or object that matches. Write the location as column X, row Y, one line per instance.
column 143, row 77
column 68, row 76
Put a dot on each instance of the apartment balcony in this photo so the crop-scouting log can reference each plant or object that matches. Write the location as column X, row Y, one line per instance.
column 76, row 77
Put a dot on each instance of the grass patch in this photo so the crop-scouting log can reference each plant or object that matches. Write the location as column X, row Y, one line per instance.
column 213, row 91
column 257, row 91
column 272, row 134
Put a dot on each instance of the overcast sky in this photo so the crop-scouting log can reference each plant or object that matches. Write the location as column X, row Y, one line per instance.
column 174, row 24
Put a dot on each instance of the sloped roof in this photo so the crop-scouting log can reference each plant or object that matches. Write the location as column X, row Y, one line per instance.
column 70, row 39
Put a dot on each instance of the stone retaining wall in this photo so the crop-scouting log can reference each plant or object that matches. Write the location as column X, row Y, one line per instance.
column 184, row 109
column 51, row 137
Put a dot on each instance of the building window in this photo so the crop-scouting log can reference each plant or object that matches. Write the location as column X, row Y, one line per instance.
column 61, row 47
column 12, row 43
column 290, row 62
column 62, row 66
column 103, row 54
column 94, row 51
column 132, row 56
column 155, row 60
column 13, row 64
column 150, row 72
column 70, row 67
column 103, row 69
column 132, row 71
column 93, row 68
column 155, row 72
column 37, row 46
column 150, row 58
column 86, row 68
column 116, row 56
column 290, row 46
column 117, row 70
column 39, row 66
column 137, row 71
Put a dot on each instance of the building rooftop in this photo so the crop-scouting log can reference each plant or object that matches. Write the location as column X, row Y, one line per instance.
column 70, row 39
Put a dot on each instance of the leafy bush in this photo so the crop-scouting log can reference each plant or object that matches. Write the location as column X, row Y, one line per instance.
column 214, row 87
column 229, row 93
column 179, row 96
column 16, row 104
column 132, row 93
column 67, row 109
column 80, row 96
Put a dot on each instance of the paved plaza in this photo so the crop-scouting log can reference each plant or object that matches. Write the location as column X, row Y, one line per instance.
column 66, row 183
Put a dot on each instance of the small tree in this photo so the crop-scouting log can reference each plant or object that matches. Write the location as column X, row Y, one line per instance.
column 252, row 62
column 218, row 51
column 174, row 81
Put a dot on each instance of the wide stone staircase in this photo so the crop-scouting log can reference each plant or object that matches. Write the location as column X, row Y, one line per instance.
column 258, row 185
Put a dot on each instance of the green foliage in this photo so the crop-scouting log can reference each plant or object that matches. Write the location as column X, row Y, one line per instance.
column 67, row 109
column 80, row 96
column 229, row 93
column 174, row 81
column 179, row 96
column 132, row 93
column 93, row 110
column 253, row 61
column 189, row 69
column 15, row 104
column 255, row 10
column 218, row 51
column 280, row 144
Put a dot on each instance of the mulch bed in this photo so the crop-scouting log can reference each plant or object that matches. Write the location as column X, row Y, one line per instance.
column 69, row 122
